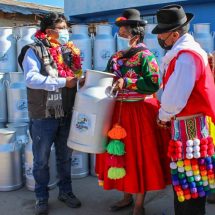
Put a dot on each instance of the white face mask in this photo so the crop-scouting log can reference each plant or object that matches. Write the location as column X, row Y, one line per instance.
column 63, row 36
column 123, row 43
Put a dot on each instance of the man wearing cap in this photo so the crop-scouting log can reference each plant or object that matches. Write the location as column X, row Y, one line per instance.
column 188, row 97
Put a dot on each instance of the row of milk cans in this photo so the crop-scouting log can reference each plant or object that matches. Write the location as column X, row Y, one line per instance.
column 95, row 49
column 16, row 160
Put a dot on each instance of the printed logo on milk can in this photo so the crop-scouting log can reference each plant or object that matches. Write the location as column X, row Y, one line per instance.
column 105, row 54
column 83, row 122
column 21, row 105
column 3, row 57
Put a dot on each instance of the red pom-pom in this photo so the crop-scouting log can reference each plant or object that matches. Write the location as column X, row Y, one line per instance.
column 194, row 195
column 177, row 188
column 202, row 167
column 194, row 161
column 203, row 154
column 179, row 155
column 116, row 161
column 204, row 141
column 210, row 146
column 211, row 152
column 210, row 139
column 178, row 150
column 203, row 147
column 187, row 191
column 172, row 143
column 178, row 143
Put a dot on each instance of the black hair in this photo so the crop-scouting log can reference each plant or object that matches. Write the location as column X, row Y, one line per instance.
column 137, row 30
column 184, row 29
column 50, row 20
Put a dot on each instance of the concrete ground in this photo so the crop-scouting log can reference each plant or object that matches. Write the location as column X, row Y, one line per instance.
column 95, row 201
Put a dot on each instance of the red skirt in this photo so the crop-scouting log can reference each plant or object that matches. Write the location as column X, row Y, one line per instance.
column 146, row 163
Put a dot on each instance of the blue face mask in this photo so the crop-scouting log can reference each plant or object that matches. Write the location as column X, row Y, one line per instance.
column 123, row 43
column 63, row 36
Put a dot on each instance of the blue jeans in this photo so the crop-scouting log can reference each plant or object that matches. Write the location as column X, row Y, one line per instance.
column 44, row 133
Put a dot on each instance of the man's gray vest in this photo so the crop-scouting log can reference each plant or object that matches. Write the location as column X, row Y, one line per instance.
column 37, row 98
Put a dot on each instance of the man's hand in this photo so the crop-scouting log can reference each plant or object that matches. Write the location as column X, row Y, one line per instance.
column 71, row 82
column 81, row 81
column 163, row 124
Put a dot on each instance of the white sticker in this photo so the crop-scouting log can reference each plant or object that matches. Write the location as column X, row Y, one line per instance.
column 84, row 123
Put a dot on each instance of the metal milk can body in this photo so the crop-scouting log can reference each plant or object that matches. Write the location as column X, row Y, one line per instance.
column 3, row 100
column 26, row 37
column 11, row 161
column 151, row 43
column 80, row 164
column 8, row 62
column 203, row 36
column 92, row 164
column 21, row 132
column 82, row 41
column 92, row 114
column 17, row 98
column 104, row 46
column 30, row 182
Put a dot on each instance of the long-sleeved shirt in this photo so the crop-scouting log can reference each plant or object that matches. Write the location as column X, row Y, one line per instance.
column 34, row 79
column 181, row 83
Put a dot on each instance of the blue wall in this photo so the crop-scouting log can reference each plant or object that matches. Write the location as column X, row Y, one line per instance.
column 204, row 12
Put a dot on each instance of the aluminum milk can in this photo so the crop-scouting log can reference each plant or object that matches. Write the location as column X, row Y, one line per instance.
column 92, row 114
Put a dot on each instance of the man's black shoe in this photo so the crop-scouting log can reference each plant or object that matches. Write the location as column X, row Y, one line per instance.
column 70, row 200
column 41, row 207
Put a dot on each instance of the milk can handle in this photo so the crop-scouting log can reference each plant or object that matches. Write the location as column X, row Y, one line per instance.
column 6, row 83
column 112, row 89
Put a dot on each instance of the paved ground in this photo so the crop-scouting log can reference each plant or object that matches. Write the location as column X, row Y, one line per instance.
column 95, row 201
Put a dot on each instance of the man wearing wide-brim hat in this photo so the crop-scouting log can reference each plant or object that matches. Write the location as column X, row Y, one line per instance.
column 188, row 97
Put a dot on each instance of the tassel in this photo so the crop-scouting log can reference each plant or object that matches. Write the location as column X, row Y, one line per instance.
column 116, row 173
column 115, row 161
column 117, row 132
column 116, row 147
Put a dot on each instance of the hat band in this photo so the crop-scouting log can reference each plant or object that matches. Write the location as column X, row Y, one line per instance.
column 180, row 22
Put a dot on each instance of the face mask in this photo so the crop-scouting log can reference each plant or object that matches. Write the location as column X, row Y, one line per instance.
column 63, row 36
column 123, row 43
column 163, row 45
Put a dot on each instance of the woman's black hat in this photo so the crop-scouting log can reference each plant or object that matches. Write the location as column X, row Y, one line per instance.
column 130, row 17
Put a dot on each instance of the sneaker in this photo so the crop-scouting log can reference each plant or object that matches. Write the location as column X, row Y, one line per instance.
column 70, row 200
column 41, row 207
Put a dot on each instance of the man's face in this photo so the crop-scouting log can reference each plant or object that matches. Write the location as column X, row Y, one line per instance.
column 54, row 32
column 167, row 37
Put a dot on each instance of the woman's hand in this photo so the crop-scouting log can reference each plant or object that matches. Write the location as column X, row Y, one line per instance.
column 119, row 84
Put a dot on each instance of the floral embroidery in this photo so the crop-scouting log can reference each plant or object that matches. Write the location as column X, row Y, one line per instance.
column 155, row 78
column 153, row 66
column 133, row 61
column 131, row 74
column 56, row 53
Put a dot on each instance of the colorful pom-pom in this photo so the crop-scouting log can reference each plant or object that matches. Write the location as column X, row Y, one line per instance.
column 116, row 147
column 116, row 173
column 117, row 132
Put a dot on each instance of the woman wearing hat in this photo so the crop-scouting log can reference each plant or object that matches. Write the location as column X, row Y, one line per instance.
column 132, row 163
column 188, row 97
